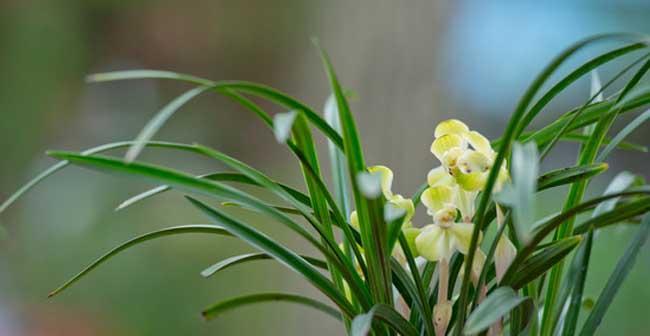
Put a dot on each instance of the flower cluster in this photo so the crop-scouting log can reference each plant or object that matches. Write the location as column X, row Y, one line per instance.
column 466, row 158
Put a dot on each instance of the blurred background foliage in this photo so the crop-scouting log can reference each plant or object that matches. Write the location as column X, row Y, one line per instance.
column 410, row 63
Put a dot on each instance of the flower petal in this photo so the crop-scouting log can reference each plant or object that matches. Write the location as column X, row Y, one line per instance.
column 473, row 161
column 480, row 143
column 471, row 182
column 451, row 126
column 439, row 176
column 462, row 235
column 435, row 198
column 434, row 243
column 446, row 142
column 405, row 204
column 386, row 178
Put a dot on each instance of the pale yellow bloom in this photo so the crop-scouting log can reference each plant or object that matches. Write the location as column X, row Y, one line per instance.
column 466, row 155
column 445, row 236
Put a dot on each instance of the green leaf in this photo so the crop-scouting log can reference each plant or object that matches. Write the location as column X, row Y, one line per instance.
column 159, row 120
column 615, row 281
column 569, row 175
column 629, row 146
column 520, row 195
column 370, row 212
column 245, row 300
column 60, row 165
column 541, row 262
column 185, row 182
column 362, row 324
column 227, row 88
column 244, row 258
column 217, row 176
column 499, row 303
column 279, row 252
column 211, row 229
column 618, row 214
column 618, row 139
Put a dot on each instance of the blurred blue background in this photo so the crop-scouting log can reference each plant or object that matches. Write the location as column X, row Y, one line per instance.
column 410, row 63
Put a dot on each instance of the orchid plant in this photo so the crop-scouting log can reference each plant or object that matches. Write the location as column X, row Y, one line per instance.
column 383, row 272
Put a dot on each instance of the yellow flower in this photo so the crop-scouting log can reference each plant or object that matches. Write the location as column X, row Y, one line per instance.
column 438, row 241
column 398, row 201
column 466, row 155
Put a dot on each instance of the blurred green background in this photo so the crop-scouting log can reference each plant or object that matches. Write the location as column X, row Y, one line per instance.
column 410, row 63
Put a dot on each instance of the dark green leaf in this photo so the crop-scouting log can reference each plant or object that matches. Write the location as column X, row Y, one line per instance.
column 618, row 139
column 279, row 252
column 237, row 302
column 569, row 175
column 244, row 258
column 141, row 239
column 541, row 262
column 615, row 281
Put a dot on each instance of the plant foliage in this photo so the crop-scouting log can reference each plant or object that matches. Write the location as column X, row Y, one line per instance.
column 381, row 274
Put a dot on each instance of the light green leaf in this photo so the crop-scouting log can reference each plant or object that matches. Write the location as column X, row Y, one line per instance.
column 499, row 303
column 627, row 130
column 159, row 120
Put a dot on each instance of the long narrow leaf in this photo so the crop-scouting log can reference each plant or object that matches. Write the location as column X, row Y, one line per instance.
column 618, row 139
column 211, row 229
column 615, row 281
column 279, row 252
column 246, row 300
column 499, row 303
column 244, row 258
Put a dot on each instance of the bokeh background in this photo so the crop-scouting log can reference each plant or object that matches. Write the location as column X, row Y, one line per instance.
column 410, row 64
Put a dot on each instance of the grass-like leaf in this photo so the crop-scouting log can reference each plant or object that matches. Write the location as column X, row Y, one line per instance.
column 219, row 308
column 244, row 258
column 279, row 252
column 211, row 229
column 618, row 139
column 541, row 262
column 615, row 281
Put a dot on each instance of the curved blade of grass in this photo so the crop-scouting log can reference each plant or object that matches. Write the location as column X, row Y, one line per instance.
column 569, row 175
column 227, row 87
column 244, row 258
column 547, row 226
column 246, row 300
column 60, row 165
column 624, row 145
column 615, row 281
column 138, row 240
column 616, row 215
column 577, row 190
column 185, row 182
column 327, row 237
column 362, row 324
column 576, row 277
column 370, row 212
column 594, row 97
column 279, row 252
column 159, row 120
column 618, row 139
column 574, row 76
column 217, row 176
column 495, row 306
column 541, row 262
